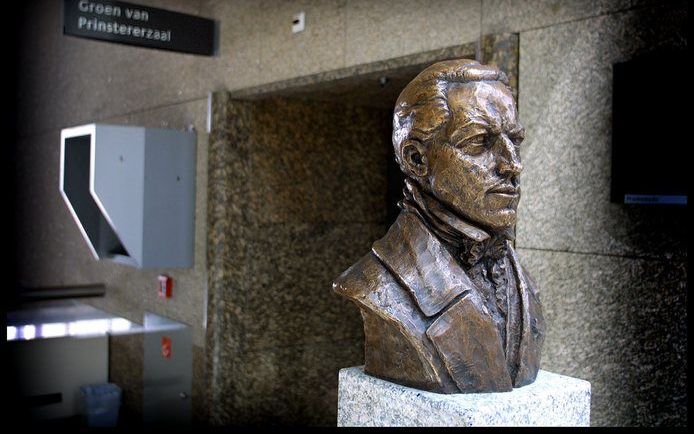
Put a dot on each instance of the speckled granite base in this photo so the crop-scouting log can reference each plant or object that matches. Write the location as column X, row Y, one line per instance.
column 552, row 400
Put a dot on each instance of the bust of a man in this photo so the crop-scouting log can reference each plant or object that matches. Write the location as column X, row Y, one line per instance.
column 446, row 304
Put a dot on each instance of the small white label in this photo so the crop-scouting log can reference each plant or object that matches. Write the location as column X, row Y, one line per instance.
column 298, row 22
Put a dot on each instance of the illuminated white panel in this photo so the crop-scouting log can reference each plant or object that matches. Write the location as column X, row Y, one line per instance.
column 88, row 327
column 28, row 332
column 79, row 328
column 120, row 325
column 53, row 330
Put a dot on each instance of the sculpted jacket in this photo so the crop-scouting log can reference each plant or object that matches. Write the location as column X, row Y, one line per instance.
column 426, row 323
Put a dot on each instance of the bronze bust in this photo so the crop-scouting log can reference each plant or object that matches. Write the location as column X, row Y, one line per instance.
column 446, row 304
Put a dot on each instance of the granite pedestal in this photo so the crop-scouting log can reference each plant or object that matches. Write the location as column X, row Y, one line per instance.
column 552, row 400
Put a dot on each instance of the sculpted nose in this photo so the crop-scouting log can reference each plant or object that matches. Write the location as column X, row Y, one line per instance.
column 509, row 158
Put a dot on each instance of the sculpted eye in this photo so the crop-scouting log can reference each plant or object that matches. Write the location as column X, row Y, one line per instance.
column 478, row 140
column 474, row 145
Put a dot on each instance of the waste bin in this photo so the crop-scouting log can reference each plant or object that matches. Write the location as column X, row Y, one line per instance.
column 101, row 404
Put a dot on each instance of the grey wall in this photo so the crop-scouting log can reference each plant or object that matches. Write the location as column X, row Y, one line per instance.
column 613, row 278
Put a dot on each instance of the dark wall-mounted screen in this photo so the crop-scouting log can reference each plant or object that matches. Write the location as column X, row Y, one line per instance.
column 650, row 130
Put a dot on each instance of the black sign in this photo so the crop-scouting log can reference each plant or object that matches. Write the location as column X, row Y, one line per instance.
column 127, row 23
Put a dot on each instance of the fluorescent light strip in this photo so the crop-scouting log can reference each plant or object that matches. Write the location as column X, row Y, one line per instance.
column 74, row 328
column 53, row 330
column 28, row 332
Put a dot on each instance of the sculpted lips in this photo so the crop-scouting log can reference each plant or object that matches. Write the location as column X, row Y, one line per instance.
column 505, row 189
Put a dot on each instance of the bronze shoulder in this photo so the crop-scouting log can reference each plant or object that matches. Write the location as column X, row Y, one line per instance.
column 362, row 278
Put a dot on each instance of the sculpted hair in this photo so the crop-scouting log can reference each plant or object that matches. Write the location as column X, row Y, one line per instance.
column 421, row 110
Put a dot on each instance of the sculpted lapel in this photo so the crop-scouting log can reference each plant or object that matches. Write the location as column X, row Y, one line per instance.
column 422, row 264
column 463, row 334
column 470, row 346
column 396, row 346
column 533, row 325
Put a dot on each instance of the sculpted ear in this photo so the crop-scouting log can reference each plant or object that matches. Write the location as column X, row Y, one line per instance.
column 414, row 158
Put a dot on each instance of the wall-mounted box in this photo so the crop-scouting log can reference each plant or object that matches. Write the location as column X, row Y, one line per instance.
column 131, row 191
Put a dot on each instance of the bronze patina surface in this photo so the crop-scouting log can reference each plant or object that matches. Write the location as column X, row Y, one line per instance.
column 446, row 304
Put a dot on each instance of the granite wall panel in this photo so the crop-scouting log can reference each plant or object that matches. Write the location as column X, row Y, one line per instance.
column 51, row 251
column 227, row 248
column 386, row 29
column 320, row 47
column 499, row 16
column 126, row 369
column 293, row 265
column 199, row 410
column 294, row 385
column 237, row 64
column 621, row 324
column 310, row 168
column 566, row 106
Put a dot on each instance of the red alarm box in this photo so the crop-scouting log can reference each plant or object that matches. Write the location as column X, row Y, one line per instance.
column 165, row 286
column 166, row 347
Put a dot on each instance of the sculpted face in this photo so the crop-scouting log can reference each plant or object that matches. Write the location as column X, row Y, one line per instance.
column 474, row 167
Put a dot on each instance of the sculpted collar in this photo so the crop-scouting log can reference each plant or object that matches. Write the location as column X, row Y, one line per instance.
column 470, row 242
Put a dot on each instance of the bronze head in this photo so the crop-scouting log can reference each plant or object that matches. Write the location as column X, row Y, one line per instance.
column 456, row 134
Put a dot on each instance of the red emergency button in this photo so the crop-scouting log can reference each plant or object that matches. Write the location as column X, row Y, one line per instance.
column 166, row 347
column 165, row 286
